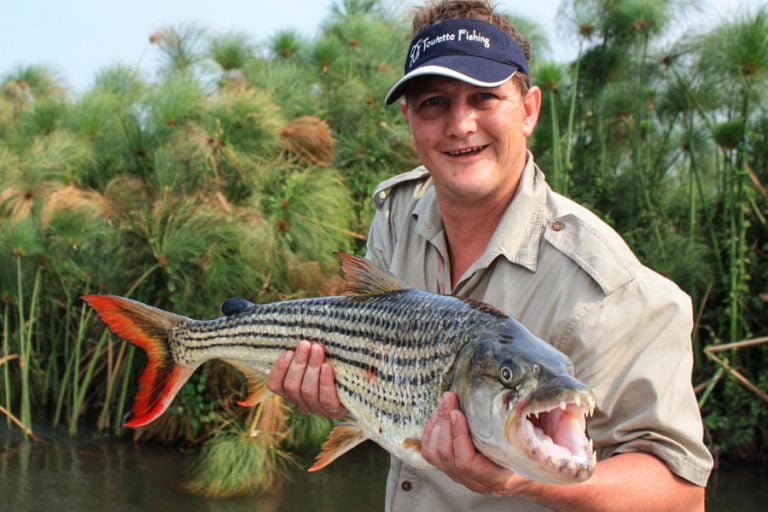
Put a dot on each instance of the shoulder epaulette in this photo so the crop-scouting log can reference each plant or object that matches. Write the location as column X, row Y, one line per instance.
column 609, row 262
column 386, row 186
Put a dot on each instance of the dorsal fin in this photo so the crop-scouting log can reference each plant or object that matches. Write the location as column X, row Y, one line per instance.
column 482, row 306
column 234, row 306
column 364, row 279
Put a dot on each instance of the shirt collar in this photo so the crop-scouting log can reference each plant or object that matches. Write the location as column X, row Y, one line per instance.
column 519, row 232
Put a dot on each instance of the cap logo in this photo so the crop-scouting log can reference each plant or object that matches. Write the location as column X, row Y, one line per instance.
column 461, row 35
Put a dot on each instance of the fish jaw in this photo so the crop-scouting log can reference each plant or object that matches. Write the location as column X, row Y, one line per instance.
column 545, row 442
column 547, row 438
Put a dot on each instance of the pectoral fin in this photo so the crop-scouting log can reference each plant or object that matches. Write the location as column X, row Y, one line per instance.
column 412, row 444
column 341, row 439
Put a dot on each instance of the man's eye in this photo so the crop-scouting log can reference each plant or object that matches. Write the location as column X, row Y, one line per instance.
column 484, row 97
column 434, row 101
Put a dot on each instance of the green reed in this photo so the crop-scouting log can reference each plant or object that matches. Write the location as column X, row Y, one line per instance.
column 8, row 396
column 26, row 328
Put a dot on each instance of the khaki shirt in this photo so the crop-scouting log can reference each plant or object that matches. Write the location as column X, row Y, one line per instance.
column 572, row 280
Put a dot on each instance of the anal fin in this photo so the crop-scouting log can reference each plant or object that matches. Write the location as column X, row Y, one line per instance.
column 257, row 384
column 341, row 439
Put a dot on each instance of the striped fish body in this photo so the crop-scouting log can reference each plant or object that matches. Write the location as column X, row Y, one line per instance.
column 394, row 351
column 391, row 353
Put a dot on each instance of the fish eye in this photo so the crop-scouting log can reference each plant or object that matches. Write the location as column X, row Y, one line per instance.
column 506, row 374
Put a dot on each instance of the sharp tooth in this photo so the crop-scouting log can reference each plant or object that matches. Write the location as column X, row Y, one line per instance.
column 590, row 446
column 594, row 458
column 562, row 405
column 577, row 401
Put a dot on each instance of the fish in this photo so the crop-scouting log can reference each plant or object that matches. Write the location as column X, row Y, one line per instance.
column 394, row 351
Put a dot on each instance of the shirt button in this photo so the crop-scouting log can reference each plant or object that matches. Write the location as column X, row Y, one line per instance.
column 558, row 226
column 406, row 485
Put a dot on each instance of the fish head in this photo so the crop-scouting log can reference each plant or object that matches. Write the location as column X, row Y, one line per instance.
column 525, row 408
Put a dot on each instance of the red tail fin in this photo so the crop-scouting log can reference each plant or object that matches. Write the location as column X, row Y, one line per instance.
column 147, row 328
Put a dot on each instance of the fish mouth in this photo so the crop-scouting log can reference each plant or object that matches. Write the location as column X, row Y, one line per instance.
column 553, row 434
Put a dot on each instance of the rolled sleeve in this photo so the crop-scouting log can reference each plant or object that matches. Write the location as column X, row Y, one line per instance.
column 634, row 349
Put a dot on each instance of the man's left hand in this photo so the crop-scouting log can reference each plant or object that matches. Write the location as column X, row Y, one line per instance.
column 447, row 445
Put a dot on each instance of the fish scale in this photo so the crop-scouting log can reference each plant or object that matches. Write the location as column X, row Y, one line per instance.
column 389, row 353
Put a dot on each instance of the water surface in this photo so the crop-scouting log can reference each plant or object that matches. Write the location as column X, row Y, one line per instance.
column 87, row 475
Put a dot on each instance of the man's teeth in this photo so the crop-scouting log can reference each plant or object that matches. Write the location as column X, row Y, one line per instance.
column 465, row 151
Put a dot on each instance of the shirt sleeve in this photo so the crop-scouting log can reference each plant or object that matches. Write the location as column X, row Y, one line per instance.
column 634, row 349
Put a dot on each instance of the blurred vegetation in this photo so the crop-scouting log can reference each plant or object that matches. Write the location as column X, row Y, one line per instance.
column 245, row 165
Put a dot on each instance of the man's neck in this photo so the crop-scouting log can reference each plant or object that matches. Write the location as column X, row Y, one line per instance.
column 468, row 230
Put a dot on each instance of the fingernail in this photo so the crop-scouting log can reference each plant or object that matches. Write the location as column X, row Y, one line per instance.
column 443, row 404
column 315, row 354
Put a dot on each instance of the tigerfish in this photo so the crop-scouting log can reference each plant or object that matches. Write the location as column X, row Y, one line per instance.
column 394, row 351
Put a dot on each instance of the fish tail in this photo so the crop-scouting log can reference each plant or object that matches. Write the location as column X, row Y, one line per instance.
column 148, row 328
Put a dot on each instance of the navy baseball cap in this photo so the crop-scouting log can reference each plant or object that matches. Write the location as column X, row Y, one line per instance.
column 469, row 50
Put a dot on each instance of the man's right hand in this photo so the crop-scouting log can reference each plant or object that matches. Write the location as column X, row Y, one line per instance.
column 302, row 376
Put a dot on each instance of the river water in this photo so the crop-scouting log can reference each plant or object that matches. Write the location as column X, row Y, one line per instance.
column 87, row 475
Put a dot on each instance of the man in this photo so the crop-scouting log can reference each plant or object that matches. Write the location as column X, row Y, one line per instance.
column 478, row 220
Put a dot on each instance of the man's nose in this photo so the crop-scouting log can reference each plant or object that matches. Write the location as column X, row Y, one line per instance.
column 461, row 120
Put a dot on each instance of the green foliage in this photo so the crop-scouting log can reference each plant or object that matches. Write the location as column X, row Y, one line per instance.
column 179, row 99
column 247, row 120
column 231, row 51
column 20, row 238
column 306, row 208
column 180, row 47
column 234, row 464
column 285, row 44
column 308, row 433
column 737, row 423
column 728, row 134
column 738, row 51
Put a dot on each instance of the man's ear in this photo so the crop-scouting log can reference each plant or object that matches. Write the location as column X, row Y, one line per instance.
column 404, row 109
column 531, row 107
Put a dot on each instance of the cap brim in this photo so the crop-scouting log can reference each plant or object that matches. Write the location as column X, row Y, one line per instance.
column 468, row 69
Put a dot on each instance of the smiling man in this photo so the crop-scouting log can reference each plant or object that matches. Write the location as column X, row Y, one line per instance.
column 478, row 219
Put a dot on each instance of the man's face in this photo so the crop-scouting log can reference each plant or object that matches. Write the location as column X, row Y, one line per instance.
column 471, row 139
